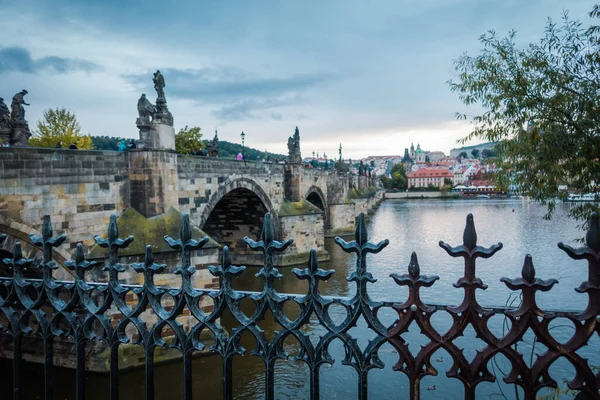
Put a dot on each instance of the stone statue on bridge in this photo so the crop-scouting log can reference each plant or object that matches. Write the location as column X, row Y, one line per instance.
column 17, row 109
column 294, row 156
column 158, row 132
column 213, row 147
column 159, row 84
column 4, row 114
column 19, row 129
column 146, row 110
column 5, row 126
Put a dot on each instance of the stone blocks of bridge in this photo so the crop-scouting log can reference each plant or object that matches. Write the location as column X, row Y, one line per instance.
column 153, row 181
column 78, row 189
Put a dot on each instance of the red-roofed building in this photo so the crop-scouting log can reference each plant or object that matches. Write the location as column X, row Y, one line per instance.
column 424, row 177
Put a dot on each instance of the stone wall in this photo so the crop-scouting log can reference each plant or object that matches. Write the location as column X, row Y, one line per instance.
column 308, row 233
column 79, row 189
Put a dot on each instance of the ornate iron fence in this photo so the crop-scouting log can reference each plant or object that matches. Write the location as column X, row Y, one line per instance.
column 75, row 314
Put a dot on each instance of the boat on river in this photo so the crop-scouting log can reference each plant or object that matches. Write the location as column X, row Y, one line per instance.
column 585, row 197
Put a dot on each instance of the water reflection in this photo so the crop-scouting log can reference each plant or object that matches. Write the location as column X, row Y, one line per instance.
column 410, row 226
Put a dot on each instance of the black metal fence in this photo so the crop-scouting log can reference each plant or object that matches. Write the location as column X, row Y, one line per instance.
column 77, row 314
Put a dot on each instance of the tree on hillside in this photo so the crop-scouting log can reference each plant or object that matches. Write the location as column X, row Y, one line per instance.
column 188, row 140
column 399, row 180
column 489, row 153
column 106, row 142
column 463, row 154
column 475, row 153
column 542, row 104
column 60, row 125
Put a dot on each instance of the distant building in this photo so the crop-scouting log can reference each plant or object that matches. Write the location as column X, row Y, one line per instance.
column 417, row 155
column 425, row 177
column 435, row 156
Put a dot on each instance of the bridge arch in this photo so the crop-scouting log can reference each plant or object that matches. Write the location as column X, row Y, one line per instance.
column 17, row 231
column 234, row 211
column 316, row 197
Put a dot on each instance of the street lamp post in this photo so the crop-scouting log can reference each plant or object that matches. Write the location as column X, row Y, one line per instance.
column 243, row 136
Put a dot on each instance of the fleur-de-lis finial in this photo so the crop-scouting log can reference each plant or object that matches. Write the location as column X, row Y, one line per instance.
column 313, row 274
column 17, row 262
column 148, row 265
column 47, row 243
column 113, row 243
column 267, row 243
column 469, row 248
column 361, row 244
column 528, row 284
column 227, row 271
column 186, row 245
column 79, row 264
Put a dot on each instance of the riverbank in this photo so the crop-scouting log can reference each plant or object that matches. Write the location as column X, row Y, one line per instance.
column 422, row 195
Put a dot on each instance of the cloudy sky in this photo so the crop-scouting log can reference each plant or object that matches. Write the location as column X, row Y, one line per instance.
column 370, row 74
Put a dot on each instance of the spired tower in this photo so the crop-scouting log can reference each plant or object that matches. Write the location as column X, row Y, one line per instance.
column 155, row 122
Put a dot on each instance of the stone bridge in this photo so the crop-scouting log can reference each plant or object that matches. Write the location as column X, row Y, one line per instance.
column 148, row 188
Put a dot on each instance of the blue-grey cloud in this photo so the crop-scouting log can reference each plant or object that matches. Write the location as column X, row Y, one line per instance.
column 19, row 59
column 225, row 84
column 250, row 108
column 237, row 93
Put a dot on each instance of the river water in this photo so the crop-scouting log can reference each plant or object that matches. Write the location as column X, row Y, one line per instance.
column 416, row 225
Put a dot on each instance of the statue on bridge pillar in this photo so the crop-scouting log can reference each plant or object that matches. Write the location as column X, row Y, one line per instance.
column 162, row 115
column 361, row 169
column 19, row 132
column 294, row 156
column 157, row 133
column 5, row 126
column 146, row 110
column 213, row 147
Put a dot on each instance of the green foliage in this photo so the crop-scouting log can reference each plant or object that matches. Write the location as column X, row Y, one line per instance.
column 188, row 140
column 475, row 153
column 230, row 150
column 385, row 181
column 399, row 179
column 463, row 154
column 60, row 125
column 367, row 192
column 448, row 182
column 489, row 153
column 106, row 142
column 541, row 103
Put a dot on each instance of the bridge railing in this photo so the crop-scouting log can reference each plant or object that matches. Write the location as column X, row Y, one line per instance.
column 73, row 309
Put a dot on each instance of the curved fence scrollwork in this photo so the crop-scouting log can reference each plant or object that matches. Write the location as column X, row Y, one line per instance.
column 79, row 315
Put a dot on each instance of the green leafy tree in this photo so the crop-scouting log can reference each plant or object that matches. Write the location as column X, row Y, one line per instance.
column 541, row 103
column 385, row 181
column 399, row 179
column 463, row 154
column 106, row 142
column 489, row 153
column 188, row 140
column 60, row 125
column 475, row 153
